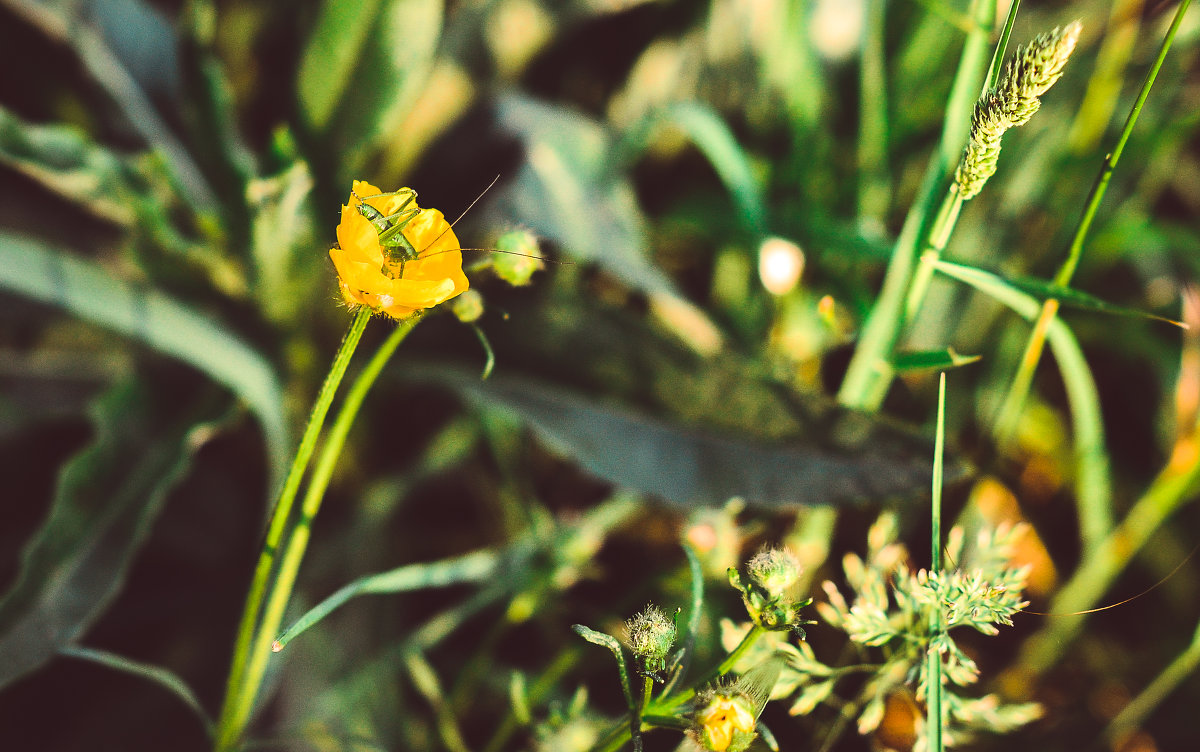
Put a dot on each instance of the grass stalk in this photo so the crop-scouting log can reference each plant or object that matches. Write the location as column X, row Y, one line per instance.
column 870, row 372
column 1010, row 411
column 235, row 719
column 935, row 717
column 236, row 707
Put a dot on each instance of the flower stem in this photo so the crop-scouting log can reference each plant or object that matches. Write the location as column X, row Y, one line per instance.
column 239, row 694
column 663, row 705
column 255, row 659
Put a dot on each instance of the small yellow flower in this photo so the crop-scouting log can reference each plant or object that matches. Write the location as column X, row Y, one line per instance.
column 726, row 724
column 383, row 279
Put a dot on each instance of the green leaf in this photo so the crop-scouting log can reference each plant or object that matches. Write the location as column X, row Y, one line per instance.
column 107, row 497
column 712, row 136
column 610, row 642
column 156, row 674
column 1093, row 482
column 692, row 466
column 67, row 162
column 1069, row 296
column 364, row 66
column 932, row 360
column 477, row 567
column 92, row 293
column 569, row 191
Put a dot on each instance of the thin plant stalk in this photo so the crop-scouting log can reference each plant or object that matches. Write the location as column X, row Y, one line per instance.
column 937, row 627
column 870, row 372
column 1136, row 712
column 663, row 705
column 1010, row 411
column 1174, row 485
column 237, row 685
column 234, row 721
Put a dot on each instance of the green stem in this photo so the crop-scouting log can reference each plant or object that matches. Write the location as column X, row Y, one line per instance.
column 619, row 735
column 235, row 709
column 937, row 625
column 1175, row 485
column 870, row 372
column 260, row 646
column 1015, row 400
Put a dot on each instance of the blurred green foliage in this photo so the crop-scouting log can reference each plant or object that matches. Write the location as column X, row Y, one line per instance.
column 172, row 172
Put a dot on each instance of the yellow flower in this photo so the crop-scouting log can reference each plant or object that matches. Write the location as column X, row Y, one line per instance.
column 726, row 724
column 386, row 279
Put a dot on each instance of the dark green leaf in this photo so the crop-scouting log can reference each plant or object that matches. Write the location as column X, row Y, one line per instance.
column 692, row 466
column 90, row 292
column 364, row 67
column 108, row 495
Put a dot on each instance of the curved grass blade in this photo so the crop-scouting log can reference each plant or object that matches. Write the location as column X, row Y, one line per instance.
column 92, row 293
column 108, row 495
column 476, row 567
column 156, row 674
column 713, row 138
column 1093, row 482
column 1069, row 296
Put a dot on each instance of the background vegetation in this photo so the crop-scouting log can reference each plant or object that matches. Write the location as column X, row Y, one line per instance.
column 172, row 173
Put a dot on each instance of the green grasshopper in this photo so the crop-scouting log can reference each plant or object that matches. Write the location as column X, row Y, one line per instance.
column 390, row 228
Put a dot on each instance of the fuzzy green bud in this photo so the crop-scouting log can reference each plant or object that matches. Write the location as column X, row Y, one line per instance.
column 519, row 259
column 775, row 569
column 651, row 635
column 771, row 574
column 468, row 306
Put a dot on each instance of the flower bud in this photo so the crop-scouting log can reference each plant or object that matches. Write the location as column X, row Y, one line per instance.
column 775, row 569
column 651, row 635
column 468, row 306
column 519, row 259
column 771, row 574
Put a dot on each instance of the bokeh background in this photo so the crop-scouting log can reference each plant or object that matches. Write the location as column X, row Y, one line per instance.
column 172, row 173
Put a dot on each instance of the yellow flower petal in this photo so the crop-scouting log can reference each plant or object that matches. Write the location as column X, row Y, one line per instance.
column 395, row 287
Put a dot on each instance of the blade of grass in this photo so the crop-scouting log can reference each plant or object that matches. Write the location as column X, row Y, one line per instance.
column 874, row 187
column 89, row 291
column 1010, row 412
column 474, row 567
column 1134, row 715
column 1093, row 484
column 156, row 674
column 75, row 32
column 934, row 715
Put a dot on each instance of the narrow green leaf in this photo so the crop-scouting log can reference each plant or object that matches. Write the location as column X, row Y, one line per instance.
column 92, row 293
column 365, row 65
column 691, row 466
column 610, row 642
column 156, row 674
column 107, row 497
column 477, row 567
column 714, row 139
column 334, row 47
column 1093, row 482
column 1069, row 296
column 932, row 360
column 67, row 162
